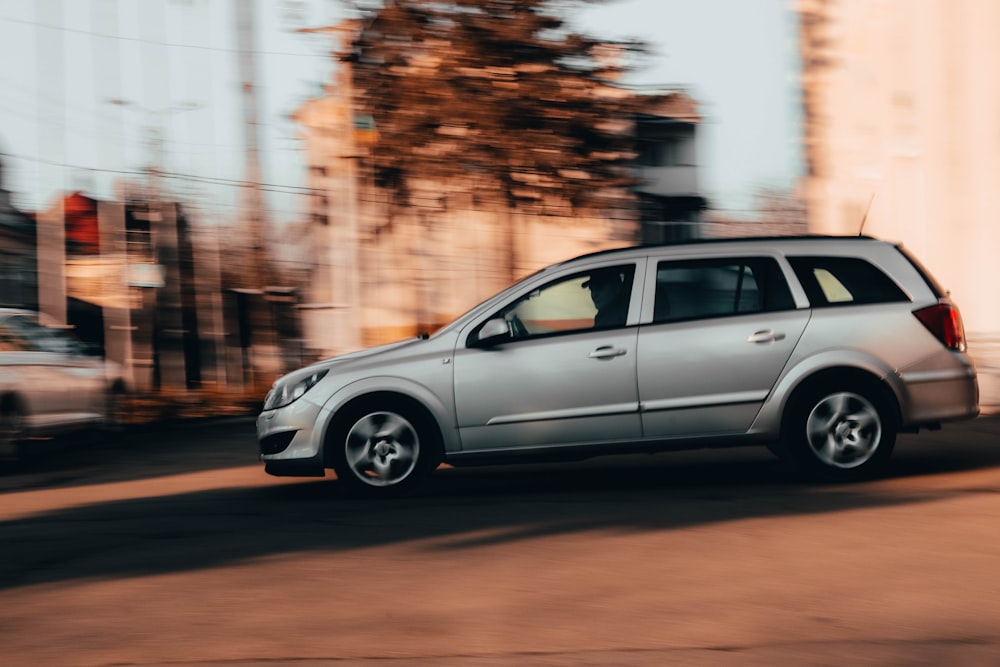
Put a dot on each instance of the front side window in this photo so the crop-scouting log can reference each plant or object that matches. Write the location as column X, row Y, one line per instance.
column 836, row 281
column 597, row 299
column 693, row 289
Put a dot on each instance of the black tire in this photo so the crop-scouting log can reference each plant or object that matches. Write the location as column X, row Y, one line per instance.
column 11, row 430
column 840, row 431
column 383, row 448
column 116, row 413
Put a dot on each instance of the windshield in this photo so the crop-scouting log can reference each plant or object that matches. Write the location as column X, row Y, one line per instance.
column 488, row 303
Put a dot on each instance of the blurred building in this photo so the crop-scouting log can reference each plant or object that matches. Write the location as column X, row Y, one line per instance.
column 901, row 113
column 382, row 272
column 670, row 200
column 130, row 278
column 18, row 256
column 135, row 280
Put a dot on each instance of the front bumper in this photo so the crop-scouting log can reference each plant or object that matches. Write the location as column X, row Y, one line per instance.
column 295, row 468
column 290, row 440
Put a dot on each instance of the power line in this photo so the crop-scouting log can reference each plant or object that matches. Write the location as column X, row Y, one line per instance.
column 207, row 180
column 154, row 42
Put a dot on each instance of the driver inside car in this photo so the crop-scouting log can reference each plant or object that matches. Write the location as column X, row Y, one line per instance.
column 609, row 297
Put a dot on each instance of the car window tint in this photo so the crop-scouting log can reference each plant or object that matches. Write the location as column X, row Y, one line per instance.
column 569, row 304
column 12, row 341
column 717, row 287
column 837, row 281
column 36, row 337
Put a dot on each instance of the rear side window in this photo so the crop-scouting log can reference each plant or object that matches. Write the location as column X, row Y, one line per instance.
column 693, row 289
column 838, row 281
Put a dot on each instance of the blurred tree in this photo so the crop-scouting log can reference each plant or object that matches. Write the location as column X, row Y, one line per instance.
column 499, row 94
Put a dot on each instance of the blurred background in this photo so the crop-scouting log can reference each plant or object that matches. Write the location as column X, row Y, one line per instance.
column 214, row 192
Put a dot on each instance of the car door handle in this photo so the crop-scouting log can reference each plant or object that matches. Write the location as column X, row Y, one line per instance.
column 606, row 352
column 765, row 336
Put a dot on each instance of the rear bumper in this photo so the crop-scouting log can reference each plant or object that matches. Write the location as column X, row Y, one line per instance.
column 940, row 396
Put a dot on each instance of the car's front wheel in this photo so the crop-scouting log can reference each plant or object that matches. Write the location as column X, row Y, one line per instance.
column 384, row 449
column 841, row 432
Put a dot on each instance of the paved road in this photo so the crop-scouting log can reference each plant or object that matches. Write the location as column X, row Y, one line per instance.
column 985, row 351
column 174, row 548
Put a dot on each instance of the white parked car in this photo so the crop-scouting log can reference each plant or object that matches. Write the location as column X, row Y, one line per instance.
column 51, row 383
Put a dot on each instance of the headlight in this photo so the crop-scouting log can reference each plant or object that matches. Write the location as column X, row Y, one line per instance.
column 286, row 392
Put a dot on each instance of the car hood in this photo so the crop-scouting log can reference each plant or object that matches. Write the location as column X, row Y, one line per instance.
column 350, row 357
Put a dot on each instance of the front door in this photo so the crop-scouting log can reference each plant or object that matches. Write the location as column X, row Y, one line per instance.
column 565, row 375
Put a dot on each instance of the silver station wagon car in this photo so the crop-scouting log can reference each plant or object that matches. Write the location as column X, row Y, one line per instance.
column 821, row 348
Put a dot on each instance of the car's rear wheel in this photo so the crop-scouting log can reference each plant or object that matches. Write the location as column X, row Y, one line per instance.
column 384, row 449
column 841, row 432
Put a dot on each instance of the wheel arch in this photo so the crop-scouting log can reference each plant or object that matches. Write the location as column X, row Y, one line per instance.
column 842, row 376
column 336, row 410
column 827, row 367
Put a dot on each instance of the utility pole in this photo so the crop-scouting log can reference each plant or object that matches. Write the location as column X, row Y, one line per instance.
column 253, row 205
column 51, row 245
column 254, row 212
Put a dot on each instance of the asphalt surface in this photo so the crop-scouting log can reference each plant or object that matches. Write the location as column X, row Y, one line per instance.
column 172, row 547
column 985, row 352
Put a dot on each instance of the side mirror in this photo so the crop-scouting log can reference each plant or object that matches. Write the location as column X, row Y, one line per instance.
column 494, row 332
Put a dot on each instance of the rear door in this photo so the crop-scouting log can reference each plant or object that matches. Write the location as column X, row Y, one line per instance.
column 722, row 330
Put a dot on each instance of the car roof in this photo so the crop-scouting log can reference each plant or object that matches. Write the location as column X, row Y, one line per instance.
column 799, row 243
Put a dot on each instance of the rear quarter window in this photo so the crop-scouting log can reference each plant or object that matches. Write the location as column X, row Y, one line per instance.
column 841, row 281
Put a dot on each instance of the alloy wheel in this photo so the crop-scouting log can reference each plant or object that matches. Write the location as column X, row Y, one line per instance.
column 844, row 430
column 382, row 448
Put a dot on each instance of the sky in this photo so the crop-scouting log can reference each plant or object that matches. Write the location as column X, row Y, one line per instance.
column 738, row 59
column 89, row 84
column 175, row 66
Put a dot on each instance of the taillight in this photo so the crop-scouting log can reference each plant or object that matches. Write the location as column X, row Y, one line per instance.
column 944, row 321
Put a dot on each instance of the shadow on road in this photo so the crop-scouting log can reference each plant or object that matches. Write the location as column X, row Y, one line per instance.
column 458, row 509
column 185, row 447
column 140, row 453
